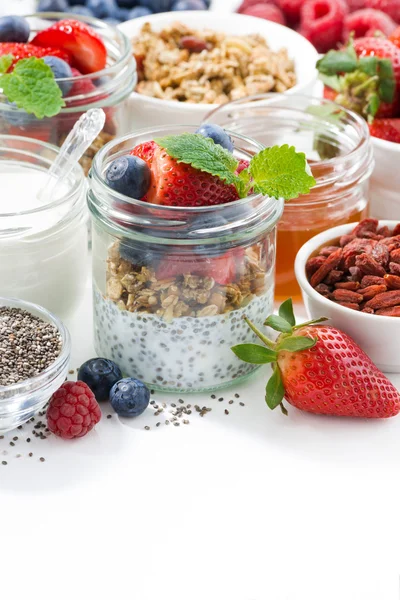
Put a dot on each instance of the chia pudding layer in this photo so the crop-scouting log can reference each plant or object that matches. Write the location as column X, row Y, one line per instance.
column 186, row 354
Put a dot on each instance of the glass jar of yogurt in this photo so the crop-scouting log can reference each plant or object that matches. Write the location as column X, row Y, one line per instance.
column 108, row 89
column 172, row 284
column 43, row 244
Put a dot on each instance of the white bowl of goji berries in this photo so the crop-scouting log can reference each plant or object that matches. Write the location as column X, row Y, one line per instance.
column 352, row 276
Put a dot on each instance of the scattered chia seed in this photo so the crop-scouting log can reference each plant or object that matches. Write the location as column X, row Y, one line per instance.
column 237, row 396
column 213, row 396
column 15, row 439
column 241, row 403
column 30, row 454
column 3, row 462
column 158, row 424
column 12, row 444
column 176, row 424
column 230, row 402
column 186, row 422
column 42, row 459
column 220, row 399
column 147, row 428
column 109, row 416
column 28, row 345
column 226, row 411
column 71, row 372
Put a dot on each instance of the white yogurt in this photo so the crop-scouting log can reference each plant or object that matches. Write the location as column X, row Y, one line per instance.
column 43, row 247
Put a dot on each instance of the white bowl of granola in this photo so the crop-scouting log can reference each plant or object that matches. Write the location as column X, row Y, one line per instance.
column 192, row 62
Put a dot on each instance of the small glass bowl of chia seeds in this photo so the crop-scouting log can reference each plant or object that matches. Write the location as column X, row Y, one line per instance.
column 35, row 350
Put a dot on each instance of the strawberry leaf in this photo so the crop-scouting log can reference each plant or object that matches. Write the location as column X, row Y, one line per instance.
column 387, row 83
column 254, row 353
column 338, row 61
column 286, row 312
column 202, row 154
column 281, row 172
column 297, row 343
column 278, row 324
column 274, row 392
column 331, row 81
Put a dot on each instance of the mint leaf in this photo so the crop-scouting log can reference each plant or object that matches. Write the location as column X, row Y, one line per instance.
column 243, row 184
column 286, row 312
column 338, row 61
column 32, row 87
column 201, row 153
column 278, row 324
column 281, row 172
column 274, row 392
column 254, row 353
column 5, row 62
column 297, row 343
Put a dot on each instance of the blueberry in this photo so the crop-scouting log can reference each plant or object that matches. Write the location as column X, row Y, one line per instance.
column 139, row 254
column 53, row 6
column 139, row 11
column 123, row 14
column 103, row 9
column 189, row 5
column 206, row 222
column 129, row 397
column 129, row 175
column 14, row 29
column 100, row 374
column 84, row 11
column 216, row 133
column 127, row 3
column 156, row 6
column 61, row 70
column 111, row 21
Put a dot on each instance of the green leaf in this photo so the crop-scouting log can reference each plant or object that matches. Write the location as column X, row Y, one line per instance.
column 274, row 392
column 286, row 312
column 281, row 172
column 278, row 323
column 338, row 61
column 201, row 153
column 5, row 62
column 387, row 82
column 243, row 184
column 254, row 353
column 369, row 65
column 332, row 81
column 373, row 105
column 32, row 86
column 297, row 343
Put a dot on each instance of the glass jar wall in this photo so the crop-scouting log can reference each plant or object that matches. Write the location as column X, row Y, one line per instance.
column 337, row 145
column 108, row 89
column 171, row 284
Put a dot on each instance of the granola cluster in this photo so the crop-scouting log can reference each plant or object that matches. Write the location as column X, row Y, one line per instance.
column 187, row 65
column 362, row 271
column 89, row 154
column 135, row 288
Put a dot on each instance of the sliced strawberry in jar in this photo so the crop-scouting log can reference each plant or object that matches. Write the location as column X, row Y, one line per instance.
column 222, row 268
column 20, row 51
column 87, row 50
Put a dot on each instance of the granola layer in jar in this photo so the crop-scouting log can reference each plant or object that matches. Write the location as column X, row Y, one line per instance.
column 108, row 89
column 172, row 284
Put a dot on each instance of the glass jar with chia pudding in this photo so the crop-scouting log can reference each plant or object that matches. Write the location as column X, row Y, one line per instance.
column 172, row 283
column 101, row 73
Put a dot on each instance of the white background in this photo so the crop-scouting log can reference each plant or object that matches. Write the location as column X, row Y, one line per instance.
column 249, row 506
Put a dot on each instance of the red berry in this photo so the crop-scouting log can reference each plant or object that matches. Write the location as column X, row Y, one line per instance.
column 73, row 410
column 395, row 37
column 390, row 7
column 266, row 11
column 243, row 164
column 330, row 94
column 87, row 50
column 386, row 129
column 322, row 23
column 20, row 51
column 366, row 22
column 179, row 184
column 81, row 87
column 355, row 5
column 292, row 9
column 247, row 3
column 220, row 268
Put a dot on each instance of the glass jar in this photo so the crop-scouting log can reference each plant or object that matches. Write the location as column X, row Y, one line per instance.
column 171, row 284
column 108, row 89
column 43, row 245
column 339, row 151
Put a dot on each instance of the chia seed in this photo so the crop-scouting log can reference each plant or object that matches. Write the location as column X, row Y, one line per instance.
column 28, row 345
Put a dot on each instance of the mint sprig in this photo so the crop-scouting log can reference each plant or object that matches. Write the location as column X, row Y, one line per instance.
column 31, row 86
column 287, row 341
column 279, row 172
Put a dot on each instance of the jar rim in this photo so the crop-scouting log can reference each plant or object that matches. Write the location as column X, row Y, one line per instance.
column 77, row 172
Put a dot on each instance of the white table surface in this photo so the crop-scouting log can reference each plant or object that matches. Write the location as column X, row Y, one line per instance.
column 245, row 506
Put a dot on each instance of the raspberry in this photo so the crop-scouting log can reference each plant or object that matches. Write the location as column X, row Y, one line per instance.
column 266, row 11
column 367, row 22
column 355, row 5
column 322, row 23
column 390, row 7
column 73, row 410
column 247, row 3
column 291, row 9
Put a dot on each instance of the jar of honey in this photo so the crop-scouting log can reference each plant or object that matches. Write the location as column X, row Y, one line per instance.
column 339, row 151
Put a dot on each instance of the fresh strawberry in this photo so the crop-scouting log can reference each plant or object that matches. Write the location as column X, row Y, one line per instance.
column 220, row 268
column 81, row 87
column 386, row 129
column 20, row 51
column 243, row 164
column 367, row 22
column 87, row 50
column 179, row 184
column 322, row 22
column 390, row 7
column 321, row 370
column 395, row 37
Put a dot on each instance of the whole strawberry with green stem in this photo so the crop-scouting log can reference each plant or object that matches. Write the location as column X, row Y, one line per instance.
column 363, row 77
column 320, row 369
